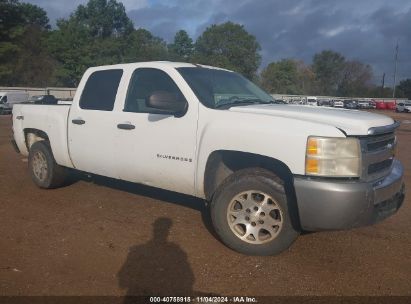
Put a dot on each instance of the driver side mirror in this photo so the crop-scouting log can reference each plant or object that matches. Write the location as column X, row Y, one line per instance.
column 167, row 101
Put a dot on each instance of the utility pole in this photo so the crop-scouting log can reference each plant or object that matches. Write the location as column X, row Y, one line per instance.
column 382, row 85
column 395, row 70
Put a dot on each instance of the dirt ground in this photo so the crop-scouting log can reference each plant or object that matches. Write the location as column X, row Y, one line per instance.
column 102, row 237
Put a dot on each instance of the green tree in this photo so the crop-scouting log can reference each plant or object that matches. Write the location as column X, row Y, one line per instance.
column 34, row 66
column 356, row 79
column 95, row 34
column 71, row 46
column 104, row 18
column 229, row 45
column 404, row 88
column 307, row 83
column 328, row 68
column 144, row 46
column 20, row 22
column 288, row 76
column 182, row 48
column 34, row 15
column 379, row 92
column 281, row 77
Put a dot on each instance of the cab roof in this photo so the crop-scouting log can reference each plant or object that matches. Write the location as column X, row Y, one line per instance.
column 156, row 64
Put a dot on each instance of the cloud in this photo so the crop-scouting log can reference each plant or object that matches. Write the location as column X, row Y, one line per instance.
column 62, row 8
column 365, row 30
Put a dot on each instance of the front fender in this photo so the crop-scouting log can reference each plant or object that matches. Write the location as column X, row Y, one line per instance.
column 280, row 138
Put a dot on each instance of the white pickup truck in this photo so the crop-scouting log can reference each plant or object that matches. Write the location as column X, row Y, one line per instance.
column 269, row 171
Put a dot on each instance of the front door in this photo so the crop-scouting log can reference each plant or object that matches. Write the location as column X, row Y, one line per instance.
column 158, row 148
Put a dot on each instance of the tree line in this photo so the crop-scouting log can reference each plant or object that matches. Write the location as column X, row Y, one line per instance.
column 100, row 32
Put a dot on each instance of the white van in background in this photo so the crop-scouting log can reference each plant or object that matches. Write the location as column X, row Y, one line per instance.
column 312, row 101
column 7, row 99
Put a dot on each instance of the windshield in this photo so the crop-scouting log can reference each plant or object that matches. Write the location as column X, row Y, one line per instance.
column 217, row 88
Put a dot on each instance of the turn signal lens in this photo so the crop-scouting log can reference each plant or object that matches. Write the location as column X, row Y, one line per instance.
column 312, row 146
column 311, row 166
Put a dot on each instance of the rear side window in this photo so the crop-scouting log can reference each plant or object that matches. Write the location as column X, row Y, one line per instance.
column 100, row 91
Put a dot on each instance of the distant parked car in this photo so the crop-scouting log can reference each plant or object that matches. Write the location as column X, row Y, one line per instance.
column 350, row 104
column 312, row 101
column 324, row 102
column 403, row 106
column 363, row 104
column 372, row 104
column 43, row 99
column 338, row 104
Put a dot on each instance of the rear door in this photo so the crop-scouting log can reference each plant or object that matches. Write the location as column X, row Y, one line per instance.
column 92, row 123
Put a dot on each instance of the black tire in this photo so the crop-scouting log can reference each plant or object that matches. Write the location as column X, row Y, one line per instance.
column 265, row 182
column 54, row 175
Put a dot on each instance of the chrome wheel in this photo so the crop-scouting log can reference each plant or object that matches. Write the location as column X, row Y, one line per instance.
column 254, row 217
column 39, row 166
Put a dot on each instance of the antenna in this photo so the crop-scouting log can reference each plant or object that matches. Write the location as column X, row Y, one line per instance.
column 395, row 70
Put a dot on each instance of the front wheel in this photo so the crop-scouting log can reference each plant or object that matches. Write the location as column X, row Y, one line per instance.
column 251, row 214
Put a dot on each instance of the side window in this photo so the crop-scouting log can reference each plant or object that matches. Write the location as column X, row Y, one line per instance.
column 401, row 104
column 143, row 83
column 100, row 91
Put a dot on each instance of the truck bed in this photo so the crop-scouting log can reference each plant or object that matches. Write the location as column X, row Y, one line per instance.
column 52, row 119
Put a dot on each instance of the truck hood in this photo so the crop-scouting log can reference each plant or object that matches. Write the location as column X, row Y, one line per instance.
column 352, row 122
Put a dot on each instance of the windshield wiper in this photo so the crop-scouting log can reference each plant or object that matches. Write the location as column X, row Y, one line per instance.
column 257, row 100
column 240, row 102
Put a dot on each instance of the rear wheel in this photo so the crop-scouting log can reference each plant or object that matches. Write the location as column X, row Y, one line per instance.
column 44, row 170
column 251, row 214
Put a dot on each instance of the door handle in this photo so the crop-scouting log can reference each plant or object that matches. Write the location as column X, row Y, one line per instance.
column 126, row 126
column 78, row 121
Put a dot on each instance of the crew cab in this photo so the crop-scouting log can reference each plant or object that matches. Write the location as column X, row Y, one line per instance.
column 267, row 170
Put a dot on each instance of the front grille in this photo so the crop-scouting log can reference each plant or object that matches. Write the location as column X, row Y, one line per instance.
column 378, row 145
column 377, row 155
column 382, row 165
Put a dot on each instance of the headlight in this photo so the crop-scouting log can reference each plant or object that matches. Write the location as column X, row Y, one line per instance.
column 333, row 157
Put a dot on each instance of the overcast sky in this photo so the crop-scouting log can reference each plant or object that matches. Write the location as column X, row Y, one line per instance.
column 366, row 30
